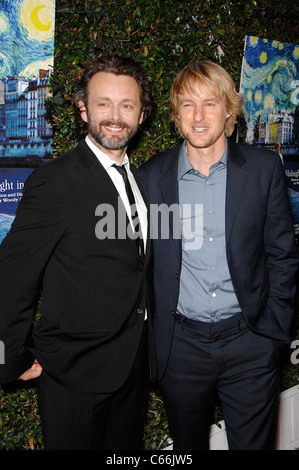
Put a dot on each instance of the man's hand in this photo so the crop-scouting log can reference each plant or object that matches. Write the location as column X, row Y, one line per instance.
column 32, row 373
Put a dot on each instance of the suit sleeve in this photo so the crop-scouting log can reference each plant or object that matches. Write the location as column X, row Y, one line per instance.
column 281, row 254
column 24, row 253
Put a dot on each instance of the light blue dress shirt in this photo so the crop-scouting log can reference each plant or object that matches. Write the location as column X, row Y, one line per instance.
column 206, row 291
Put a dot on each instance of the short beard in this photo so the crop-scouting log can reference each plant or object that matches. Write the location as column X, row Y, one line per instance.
column 112, row 142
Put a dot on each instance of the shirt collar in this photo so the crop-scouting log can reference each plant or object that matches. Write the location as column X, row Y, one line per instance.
column 184, row 164
column 106, row 161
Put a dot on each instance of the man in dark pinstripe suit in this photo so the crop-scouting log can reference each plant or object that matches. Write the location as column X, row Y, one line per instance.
column 92, row 347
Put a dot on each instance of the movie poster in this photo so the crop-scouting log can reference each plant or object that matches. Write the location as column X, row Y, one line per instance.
column 270, row 88
column 26, row 64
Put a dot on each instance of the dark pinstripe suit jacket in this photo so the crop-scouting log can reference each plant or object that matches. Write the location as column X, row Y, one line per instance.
column 94, row 291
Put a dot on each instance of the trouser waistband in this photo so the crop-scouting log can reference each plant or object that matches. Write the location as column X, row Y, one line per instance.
column 215, row 329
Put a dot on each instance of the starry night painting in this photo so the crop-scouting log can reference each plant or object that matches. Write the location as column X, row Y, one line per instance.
column 26, row 36
column 26, row 64
column 270, row 89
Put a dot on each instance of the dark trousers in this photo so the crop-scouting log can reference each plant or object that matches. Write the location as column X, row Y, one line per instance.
column 91, row 421
column 229, row 360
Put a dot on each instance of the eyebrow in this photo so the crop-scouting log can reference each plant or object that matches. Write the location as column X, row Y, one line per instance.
column 107, row 98
column 213, row 98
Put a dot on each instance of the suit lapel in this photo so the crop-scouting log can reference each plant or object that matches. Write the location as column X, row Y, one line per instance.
column 144, row 196
column 97, row 178
column 139, row 184
column 95, row 175
column 169, row 188
column 236, row 178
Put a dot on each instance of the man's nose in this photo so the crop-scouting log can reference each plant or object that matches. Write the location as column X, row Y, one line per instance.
column 198, row 113
column 115, row 113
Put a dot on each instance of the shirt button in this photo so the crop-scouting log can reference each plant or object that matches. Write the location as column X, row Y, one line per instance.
column 140, row 311
column 214, row 294
column 211, row 239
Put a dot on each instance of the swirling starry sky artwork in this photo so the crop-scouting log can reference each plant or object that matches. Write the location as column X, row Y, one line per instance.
column 26, row 36
column 270, row 76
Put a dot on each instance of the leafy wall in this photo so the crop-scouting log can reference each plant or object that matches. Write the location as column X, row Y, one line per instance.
column 164, row 35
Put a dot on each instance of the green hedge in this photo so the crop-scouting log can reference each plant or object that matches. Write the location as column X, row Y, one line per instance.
column 164, row 35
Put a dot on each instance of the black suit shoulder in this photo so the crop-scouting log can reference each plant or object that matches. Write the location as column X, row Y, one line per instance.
column 60, row 162
column 159, row 161
column 57, row 169
column 256, row 155
column 47, row 186
column 159, row 157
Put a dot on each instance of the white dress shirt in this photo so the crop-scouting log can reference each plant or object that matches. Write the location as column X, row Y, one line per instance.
column 118, row 181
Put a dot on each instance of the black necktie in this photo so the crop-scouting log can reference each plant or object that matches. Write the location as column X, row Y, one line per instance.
column 133, row 207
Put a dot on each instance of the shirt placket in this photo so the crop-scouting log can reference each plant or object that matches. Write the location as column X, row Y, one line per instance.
column 211, row 243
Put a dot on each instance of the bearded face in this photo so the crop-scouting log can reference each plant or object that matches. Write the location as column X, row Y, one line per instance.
column 113, row 112
column 111, row 135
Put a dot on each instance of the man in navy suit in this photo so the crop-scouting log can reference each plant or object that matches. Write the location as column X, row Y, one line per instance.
column 224, row 271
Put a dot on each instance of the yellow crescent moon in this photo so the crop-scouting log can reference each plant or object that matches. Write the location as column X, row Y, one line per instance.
column 36, row 21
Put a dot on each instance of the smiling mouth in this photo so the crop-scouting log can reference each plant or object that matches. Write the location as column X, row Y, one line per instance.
column 114, row 127
column 199, row 128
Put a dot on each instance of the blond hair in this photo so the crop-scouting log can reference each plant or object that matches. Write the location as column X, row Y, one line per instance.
column 218, row 82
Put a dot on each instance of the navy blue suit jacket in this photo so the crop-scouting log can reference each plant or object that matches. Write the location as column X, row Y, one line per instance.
column 260, row 242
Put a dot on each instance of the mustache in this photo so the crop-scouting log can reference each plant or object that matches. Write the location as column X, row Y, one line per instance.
column 108, row 123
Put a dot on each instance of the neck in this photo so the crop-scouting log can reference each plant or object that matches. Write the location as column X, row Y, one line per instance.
column 203, row 158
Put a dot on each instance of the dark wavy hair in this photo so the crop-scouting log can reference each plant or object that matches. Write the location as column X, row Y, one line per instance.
column 118, row 66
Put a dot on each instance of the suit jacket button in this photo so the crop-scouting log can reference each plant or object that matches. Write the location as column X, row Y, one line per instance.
column 140, row 311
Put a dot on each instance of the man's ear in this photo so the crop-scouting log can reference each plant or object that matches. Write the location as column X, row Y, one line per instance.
column 141, row 117
column 83, row 110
